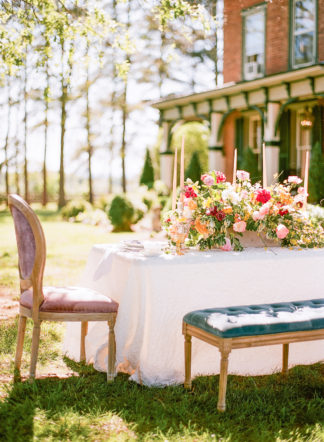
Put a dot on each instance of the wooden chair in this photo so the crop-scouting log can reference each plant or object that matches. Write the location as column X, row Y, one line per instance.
column 52, row 303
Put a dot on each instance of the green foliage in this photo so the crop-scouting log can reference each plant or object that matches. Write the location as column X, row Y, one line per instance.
column 147, row 176
column 250, row 164
column 194, row 171
column 316, row 175
column 123, row 214
column 74, row 207
column 196, row 140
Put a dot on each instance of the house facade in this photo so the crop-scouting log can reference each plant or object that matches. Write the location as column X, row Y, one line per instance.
column 273, row 89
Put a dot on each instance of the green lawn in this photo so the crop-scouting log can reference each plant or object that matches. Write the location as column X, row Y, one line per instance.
column 71, row 401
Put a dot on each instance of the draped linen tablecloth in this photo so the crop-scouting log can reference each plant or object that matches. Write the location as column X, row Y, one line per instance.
column 154, row 293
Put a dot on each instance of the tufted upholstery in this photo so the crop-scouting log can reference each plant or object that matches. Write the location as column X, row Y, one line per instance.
column 251, row 320
column 71, row 300
column 25, row 243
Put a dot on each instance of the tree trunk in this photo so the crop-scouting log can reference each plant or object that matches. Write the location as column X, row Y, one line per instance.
column 26, row 182
column 6, row 145
column 123, row 144
column 89, row 138
column 46, row 92
column 63, row 99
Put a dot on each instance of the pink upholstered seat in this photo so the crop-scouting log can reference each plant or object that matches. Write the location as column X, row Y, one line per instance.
column 71, row 300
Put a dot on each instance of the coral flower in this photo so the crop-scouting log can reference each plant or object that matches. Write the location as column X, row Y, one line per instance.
column 192, row 205
column 201, row 228
column 240, row 226
column 263, row 196
column 281, row 231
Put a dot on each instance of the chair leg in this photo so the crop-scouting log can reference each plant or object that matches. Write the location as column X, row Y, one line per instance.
column 84, row 331
column 285, row 354
column 34, row 351
column 187, row 353
column 221, row 405
column 20, row 343
column 111, row 371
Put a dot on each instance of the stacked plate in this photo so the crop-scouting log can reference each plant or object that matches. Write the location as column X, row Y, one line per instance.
column 132, row 246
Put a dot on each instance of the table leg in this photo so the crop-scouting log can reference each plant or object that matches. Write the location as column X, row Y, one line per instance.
column 187, row 351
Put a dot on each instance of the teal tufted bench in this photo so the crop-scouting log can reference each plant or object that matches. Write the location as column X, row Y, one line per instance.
column 251, row 326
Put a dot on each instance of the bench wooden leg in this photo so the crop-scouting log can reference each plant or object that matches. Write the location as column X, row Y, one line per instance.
column 111, row 372
column 187, row 351
column 285, row 353
column 225, row 351
column 84, row 331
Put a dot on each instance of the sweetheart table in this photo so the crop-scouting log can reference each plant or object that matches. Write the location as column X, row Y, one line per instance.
column 154, row 293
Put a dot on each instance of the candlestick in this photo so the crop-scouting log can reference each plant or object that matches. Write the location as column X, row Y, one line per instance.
column 234, row 166
column 174, row 187
column 306, row 178
column 264, row 164
column 182, row 163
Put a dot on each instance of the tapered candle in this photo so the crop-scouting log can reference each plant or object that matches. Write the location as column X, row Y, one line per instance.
column 264, row 164
column 174, row 187
column 182, row 163
column 234, row 166
column 306, row 178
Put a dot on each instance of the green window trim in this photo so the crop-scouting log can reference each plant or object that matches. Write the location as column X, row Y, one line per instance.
column 292, row 64
column 253, row 65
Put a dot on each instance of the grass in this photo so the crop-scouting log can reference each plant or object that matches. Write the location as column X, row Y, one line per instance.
column 71, row 401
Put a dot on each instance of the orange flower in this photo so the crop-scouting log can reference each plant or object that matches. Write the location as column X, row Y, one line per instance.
column 247, row 216
column 228, row 209
column 201, row 228
column 192, row 205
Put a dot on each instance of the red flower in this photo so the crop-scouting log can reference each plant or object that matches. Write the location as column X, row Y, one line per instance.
column 263, row 196
column 220, row 177
column 168, row 220
column 220, row 215
column 283, row 212
column 190, row 193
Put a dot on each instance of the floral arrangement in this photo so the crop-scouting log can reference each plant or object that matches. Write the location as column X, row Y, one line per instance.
column 218, row 213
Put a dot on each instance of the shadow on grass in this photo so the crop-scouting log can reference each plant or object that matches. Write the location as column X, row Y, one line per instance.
column 259, row 408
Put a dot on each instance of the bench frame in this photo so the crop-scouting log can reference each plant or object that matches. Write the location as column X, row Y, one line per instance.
column 226, row 345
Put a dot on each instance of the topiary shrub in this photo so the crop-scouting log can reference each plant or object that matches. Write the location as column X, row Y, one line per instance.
column 194, row 171
column 74, row 207
column 122, row 214
column 316, row 175
column 147, row 176
column 250, row 164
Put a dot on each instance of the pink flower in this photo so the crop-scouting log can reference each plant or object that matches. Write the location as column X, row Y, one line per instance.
column 220, row 177
column 264, row 210
column 301, row 190
column 263, row 196
column 239, row 226
column 257, row 216
column 227, row 247
column 294, row 179
column 244, row 194
column 242, row 175
column 207, row 179
column 281, row 231
column 189, row 192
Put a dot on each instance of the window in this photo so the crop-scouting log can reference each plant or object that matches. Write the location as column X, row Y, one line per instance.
column 303, row 32
column 254, row 42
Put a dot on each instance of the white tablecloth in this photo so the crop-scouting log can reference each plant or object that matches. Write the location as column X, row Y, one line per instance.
column 155, row 293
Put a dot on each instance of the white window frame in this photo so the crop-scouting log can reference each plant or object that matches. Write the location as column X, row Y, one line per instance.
column 247, row 13
column 301, row 148
column 300, row 32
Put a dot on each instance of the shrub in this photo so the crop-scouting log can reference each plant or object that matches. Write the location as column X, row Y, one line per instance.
column 194, row 171
column 316, row 175
column 250, row 164
column 147, row 176
column 74, row 207
column 122, row 214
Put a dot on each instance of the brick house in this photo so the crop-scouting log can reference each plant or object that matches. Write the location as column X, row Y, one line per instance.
column 273, row 88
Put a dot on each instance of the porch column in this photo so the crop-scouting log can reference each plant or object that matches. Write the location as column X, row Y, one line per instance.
column 272, row 142
column 166, row 156
column 215, row 146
